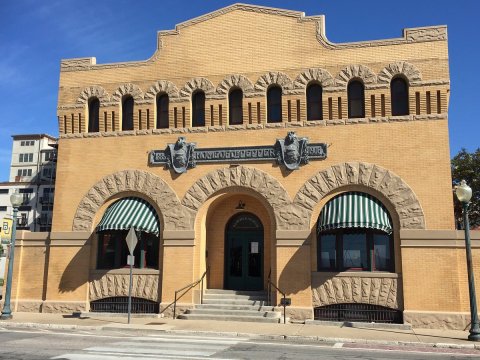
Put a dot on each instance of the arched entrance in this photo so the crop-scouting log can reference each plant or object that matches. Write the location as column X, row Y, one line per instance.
column 244, row 252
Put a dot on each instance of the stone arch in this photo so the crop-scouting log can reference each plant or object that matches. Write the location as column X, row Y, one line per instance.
column 162, row 86
column 235, row 80
column 198, row 83
column 128, row 89
column 409, row 71
column 355, row 71
column 271, row 78
column 323, row 77
column 172, row 214
column 288, row 216
column 390, row 185
column 93, row 91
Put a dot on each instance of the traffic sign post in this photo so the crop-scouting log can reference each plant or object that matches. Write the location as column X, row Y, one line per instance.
column 131, row 243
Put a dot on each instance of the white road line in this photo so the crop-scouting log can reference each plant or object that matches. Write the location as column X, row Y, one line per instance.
column 338, row 345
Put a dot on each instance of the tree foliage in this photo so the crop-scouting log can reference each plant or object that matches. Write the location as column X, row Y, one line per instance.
column 466, row 166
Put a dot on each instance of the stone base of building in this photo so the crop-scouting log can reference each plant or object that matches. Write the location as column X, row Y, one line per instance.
column 166, row 309
column 437, row 320
column 296, row 313
column 49, row 306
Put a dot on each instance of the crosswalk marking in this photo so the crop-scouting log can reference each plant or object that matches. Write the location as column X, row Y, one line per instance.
column 157, row 347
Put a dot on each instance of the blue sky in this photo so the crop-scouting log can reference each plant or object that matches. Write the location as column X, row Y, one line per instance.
column 36, row 34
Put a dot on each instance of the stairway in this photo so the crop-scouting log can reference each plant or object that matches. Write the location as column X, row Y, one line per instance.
column 231, row 305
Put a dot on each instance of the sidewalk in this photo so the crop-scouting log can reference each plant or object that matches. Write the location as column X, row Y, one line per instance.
column 293, row 332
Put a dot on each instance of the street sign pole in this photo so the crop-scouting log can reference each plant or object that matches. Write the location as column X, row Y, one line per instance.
column 131, row 243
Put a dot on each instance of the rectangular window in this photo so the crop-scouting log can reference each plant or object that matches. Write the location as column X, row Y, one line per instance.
column 24, row 208
column 249, row 113
column 417, row 103
column 339, row 105
column 259, row 120
column 439, row 102
column 298, row 110
column 47, row 207
column 355, row 255
column 220, row 113
column 25, row 191
column 327, row 252
column 22, row 143
column 29, row 172
column 330, row 109
column 49, row 155
column 3, row 191
column 3, row 208
column 289, row 110
column 382, row 259
column 372, row 105
column 382, row 104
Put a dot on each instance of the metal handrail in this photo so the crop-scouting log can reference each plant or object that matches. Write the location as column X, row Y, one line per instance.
column 269, row 284
column 187, row 288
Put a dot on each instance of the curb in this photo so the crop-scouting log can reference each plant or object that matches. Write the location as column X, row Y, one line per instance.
column 293, row 338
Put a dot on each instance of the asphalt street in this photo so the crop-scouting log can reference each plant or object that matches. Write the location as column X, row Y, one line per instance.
column 39, row 344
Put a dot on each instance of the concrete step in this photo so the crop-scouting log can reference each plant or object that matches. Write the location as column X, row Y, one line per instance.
column 228, row 318
column 222, row 297
column 235, row 292
column 234, row 307
column 235, row 302
column 269, row 314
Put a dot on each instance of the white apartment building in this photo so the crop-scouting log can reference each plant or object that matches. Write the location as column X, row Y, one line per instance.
column 32, row 172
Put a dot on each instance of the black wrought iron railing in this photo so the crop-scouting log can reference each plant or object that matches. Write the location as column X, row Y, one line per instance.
column 119, row 304
column 358, row 312
column 269, row 295
column 181, row 292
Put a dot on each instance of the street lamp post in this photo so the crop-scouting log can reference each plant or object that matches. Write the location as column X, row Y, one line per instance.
column 464, row 194
column 16, row 200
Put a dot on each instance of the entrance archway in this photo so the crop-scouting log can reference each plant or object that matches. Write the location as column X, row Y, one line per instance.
column 244, row 252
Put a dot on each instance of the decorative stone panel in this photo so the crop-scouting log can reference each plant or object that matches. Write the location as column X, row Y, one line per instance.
column 400, row 195
column 288, row 216
column 271, row 78
column 404, row 68
column 174, row 215
column 127, row 89
column 323, row 77
column 235, row 81
column 381, row 291
column 355, row 71
column 93, row 91
column 110, row 285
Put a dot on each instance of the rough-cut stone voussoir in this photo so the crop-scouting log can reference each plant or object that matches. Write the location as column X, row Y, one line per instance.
column 199, row 83
column 409, row 71
column 245, row 177
column 235, row 80
column 162, row 86
column 323, row 77
column 93, row 91
column 144, row 286
column 273, row 78
column 379, row 290
column 127, row 89
column 355, row 71
column 142, row 182
column 400, row 195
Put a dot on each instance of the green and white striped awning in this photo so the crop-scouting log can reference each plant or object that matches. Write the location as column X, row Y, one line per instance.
column 354, row 210
column 128, row 212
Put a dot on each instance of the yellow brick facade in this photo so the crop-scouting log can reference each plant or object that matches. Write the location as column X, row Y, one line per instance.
column 252, row 48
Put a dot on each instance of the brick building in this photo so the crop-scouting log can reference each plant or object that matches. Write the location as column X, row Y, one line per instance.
column 252, row 148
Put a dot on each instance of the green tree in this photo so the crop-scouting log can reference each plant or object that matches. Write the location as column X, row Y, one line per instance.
column 466, row 166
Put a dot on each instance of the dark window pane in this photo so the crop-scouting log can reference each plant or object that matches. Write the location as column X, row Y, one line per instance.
column 235, row 100
column 162, row 112
column 127, row 114
column 93, row 115
column 399, row 97
column 274, row 104
column 356, row 100
column 198, row 107
column 327, row 252
column 382, row 252
column 314, row 102
column 355, row 255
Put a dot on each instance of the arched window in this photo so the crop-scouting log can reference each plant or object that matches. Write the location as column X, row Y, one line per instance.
column 274, row 104
column 235, row 100
column 356, row 99
column 93, row 114
column 112, row 230
column 399, row 96
column 314, row 102
column 354, row 233
column 162, row 111
column 198, row 108
column 127, row 113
